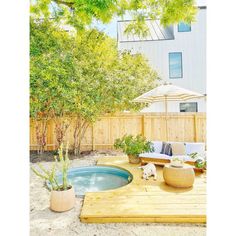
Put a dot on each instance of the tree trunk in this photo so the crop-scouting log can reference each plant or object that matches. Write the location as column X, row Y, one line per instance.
column 41, row 134
column 80, row 129
column 76, row 140
column 44, row 135
column 76, row 135
column 61, row 129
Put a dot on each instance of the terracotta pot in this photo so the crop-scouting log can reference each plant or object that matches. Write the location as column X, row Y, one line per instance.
column 62, row 200
column 134, row 159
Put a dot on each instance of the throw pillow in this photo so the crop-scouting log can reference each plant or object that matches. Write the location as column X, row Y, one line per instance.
column 157, row 146
column 166, row 149
column 178, row 149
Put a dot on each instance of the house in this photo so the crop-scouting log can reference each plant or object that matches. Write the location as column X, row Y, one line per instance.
column 177, row 53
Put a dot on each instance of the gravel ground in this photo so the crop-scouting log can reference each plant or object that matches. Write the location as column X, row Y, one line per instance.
column 44, row 222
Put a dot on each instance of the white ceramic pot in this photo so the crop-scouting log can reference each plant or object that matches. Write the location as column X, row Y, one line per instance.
column 62, row 200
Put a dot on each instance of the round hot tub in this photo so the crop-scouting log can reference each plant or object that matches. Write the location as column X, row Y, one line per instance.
column 96, row 178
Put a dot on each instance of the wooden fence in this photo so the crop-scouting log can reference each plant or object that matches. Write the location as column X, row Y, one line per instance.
column 189, row 127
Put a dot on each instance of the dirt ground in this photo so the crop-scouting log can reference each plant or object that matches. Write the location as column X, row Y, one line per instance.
column 44, row 222
column 48, row 156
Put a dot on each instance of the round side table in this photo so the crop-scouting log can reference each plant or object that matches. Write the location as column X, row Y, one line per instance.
column 180, row 177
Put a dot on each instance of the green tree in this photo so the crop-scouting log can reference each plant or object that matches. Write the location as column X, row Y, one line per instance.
column 50, row 76
column 106, row 80
column 83, row 76
column 80, row 13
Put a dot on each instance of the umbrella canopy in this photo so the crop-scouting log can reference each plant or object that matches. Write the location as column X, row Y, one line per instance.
column 167, row 92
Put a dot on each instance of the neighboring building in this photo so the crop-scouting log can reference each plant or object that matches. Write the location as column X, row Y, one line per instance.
column 177, row 53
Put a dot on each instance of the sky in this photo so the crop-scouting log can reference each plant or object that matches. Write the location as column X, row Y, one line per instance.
column 111, row 28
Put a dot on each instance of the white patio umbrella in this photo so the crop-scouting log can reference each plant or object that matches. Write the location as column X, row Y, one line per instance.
column 167, row 92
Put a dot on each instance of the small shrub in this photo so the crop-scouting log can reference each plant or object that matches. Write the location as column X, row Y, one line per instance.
column 201, row 161
column 133, row 145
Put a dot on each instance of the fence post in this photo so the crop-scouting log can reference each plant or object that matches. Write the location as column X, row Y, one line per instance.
column 143, row 126
column 93, row 138
column 195, row 128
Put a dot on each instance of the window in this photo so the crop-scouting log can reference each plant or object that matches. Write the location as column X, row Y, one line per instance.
column 188, row 107
column 183, row 27
column 175, row 65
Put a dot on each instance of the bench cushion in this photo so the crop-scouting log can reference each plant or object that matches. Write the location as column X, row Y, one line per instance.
column 186, row 158
column 195, row 147
column 155, row 155
column 165, row 157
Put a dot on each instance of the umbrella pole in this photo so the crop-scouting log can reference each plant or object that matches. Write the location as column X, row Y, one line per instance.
column 166, row 109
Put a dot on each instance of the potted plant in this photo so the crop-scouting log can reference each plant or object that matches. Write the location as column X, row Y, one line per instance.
column 177, row 161
column 133, row 146
column 200, row 161
column 62, row 194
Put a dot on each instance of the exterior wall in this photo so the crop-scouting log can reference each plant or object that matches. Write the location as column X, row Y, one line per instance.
column 174, row 106
column 193, row 47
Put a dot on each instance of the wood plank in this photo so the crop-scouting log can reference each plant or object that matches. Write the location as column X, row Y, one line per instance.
column 145, row 210
column 153, row 193
column 129, row 213
column 102, row 220
column 151, row 205
column 153, row 199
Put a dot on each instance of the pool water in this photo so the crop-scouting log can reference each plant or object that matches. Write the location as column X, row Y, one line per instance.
column 96, row 178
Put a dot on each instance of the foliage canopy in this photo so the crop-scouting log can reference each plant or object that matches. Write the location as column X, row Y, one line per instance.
column 81, row 13
column 84, row 73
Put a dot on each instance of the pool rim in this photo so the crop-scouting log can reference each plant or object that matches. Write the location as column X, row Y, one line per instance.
column 111, row 166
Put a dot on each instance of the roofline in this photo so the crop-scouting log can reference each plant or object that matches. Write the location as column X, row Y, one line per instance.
column 144, row 40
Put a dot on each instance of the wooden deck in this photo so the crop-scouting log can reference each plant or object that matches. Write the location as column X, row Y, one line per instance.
column 145, row 200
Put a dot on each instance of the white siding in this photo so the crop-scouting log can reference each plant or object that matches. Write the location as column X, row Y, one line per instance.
column 174, row 106
column 193, row 47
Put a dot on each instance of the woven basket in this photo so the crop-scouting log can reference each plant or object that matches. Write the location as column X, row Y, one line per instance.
column 182, row 177
column 133, row 159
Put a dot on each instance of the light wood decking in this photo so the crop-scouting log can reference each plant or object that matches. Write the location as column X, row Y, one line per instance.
column 145, row 200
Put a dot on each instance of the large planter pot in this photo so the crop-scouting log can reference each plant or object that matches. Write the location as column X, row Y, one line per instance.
column 62, row 200
column 134, row 159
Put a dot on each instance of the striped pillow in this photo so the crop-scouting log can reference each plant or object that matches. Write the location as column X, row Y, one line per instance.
column 166, row 149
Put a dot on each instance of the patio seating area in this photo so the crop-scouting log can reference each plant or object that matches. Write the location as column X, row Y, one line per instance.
column 145, row 200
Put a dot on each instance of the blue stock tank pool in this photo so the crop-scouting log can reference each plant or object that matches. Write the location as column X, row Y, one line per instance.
column 96, row 178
